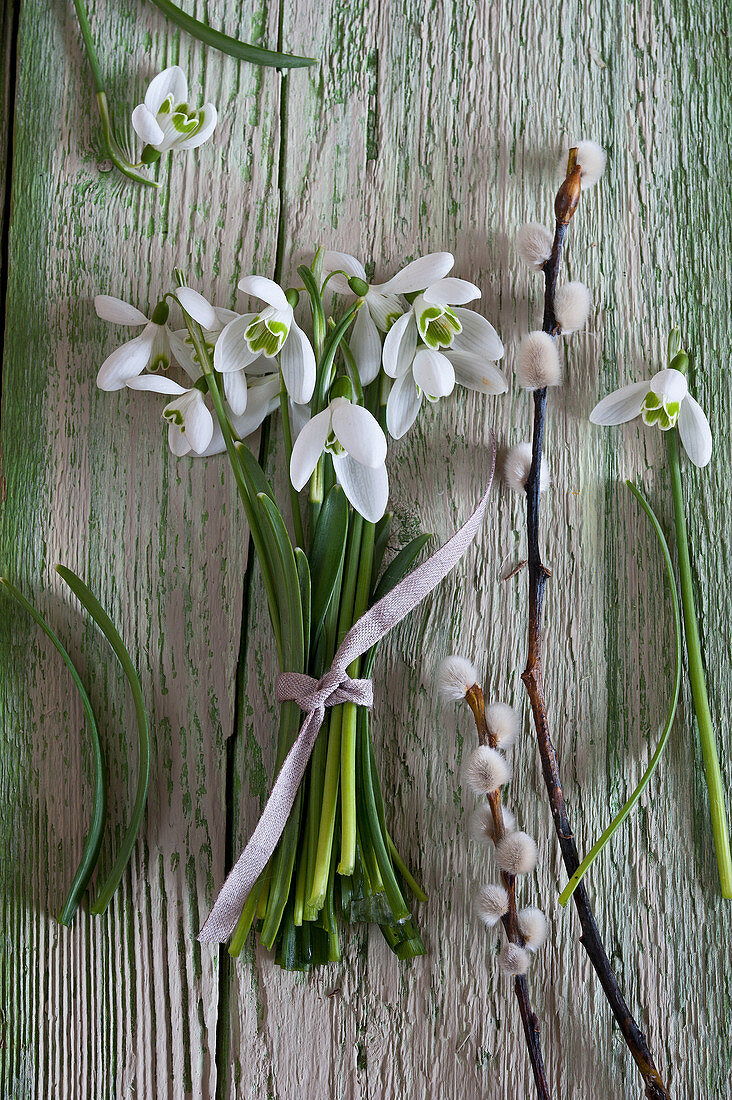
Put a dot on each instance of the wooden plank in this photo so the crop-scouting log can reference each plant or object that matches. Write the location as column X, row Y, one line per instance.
column 126, row 1004
column 425, row 127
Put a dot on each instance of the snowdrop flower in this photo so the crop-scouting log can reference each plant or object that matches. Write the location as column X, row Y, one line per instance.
column 165, row 120
column 213, row 320
column 663, row 401
column 150, row 350
column 269, row 333
column 433, row 346
column 358, row 447
column 191, row 426
column 382, row 301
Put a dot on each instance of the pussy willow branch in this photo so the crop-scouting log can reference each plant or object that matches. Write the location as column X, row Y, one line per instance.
column 565, row 206
column 510, row 922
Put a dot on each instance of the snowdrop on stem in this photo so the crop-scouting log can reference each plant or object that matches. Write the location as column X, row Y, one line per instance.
column 148, row 351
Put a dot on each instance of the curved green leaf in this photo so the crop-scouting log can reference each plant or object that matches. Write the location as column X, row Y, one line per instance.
column 241, row 50
column 89, row 601
column 399, row 567
column 90, row 855
column 326, row 556
column 617, row 821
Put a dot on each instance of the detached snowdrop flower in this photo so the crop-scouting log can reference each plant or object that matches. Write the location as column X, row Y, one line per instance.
column 269, row 333
column 433, row 346
column 382, row 301
column 663, row 401
column 357, row 444
column 165, row 120
column 150, row 350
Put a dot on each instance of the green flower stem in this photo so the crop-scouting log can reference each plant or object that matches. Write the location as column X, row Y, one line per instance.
column 92, row 605
column 621, row 816
column 246, row 919
column 404, row 871
column 696, row 675
column 294, row 495
column 111, row 148
column 348, row 732
column 232, row 46
column 93, row 844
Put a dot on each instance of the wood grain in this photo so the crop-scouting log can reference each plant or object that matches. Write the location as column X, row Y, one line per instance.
column 427, row 125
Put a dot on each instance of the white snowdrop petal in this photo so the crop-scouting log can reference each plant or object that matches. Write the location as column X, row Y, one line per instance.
column 177, row 441
column 343, row 261
column 534, row 244
column 451, row 292
column 235, row 388
column 297, row 362
column 696, row 435
column 232, row 352
column 517, row 854
column 503, row 723
column 591, row 158
column 126, row 361
column 400, row 345
column 146, row 126
column 263, row 397
column 514, row 960
column 486, row 770
column 537, row 364
column 455, row 676
column 670, row 384
column 367, row 489
column 359, row 432
column 402, row 405
column 256, row 286
column 478, row 336
column 171, row 81
column 198, row 424
column 491, row 903
column 476, row 373
column 155, row 383
column 533, row 927
column 308, row 448
column 572, row 304
column 418, row 274
column 433, row 373
column 117, row 311
column 620, row 405
column 197, row 307
column 365, row 344
column 517, row 465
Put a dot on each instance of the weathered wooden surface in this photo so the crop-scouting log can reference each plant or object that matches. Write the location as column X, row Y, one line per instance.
column 427, row 125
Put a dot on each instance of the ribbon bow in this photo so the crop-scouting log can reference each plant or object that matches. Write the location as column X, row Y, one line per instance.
column 313, row 696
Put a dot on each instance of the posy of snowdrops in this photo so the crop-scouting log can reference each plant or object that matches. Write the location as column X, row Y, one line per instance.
column 346, row 362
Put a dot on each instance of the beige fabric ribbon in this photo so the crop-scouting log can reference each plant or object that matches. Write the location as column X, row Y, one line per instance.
column 313, row 697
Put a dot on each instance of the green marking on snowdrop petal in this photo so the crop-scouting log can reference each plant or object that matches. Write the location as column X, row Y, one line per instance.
column 656, row 410
column 186, row 122
column 438, row 326
column 266, row 336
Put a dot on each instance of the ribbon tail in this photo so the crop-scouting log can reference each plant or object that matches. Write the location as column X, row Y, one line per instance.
column 223, row 918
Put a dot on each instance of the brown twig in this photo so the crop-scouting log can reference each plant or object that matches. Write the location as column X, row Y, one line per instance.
column 529, row 1018
column 565, row 205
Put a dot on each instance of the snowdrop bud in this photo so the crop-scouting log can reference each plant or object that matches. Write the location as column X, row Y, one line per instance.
column 503, row 723
column 591, row 158
column 534, row 245
column 572, row 306
column 455, row 676
column 491, row 903
column 480, row 825
column 516, row 467
column 538, row 362
column 514, row 960
column 533, row 927
column 486, row 770
column 517, row 854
